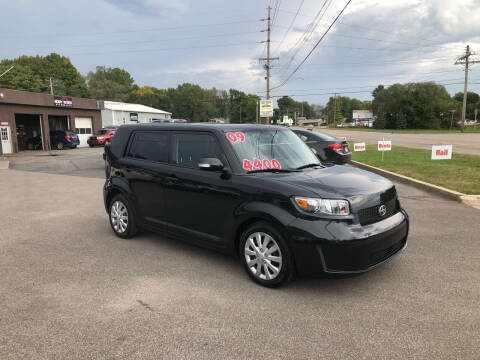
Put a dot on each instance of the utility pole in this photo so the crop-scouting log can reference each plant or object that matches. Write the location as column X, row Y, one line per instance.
column 51, row 86
column 256, row 113
column 465, row 60
column 335, row 111
column 268, row 58
column 240, row 114
column 451, row 121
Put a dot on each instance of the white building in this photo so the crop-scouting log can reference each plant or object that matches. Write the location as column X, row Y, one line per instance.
column 362, row 118
column 118, row 113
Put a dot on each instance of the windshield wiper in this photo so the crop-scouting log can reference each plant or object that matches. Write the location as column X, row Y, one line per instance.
column 272, row 170
column 308, row 166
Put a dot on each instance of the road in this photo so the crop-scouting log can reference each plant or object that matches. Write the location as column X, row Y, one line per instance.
column 462, row 143
column 70, row 289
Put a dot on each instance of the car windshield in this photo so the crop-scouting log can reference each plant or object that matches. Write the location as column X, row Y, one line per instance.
column 103, row 132
column 270, row 149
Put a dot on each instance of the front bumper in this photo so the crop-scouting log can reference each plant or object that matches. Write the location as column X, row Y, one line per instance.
column 95, row 142
column 338, row 247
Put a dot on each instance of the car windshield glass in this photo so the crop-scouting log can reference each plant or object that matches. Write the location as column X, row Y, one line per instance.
column 270, row 149
column 103, row 132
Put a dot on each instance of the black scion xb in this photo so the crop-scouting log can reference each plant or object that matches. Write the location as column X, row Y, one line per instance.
column 256, row 192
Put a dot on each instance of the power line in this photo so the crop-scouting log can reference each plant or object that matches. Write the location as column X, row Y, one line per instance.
column 136, row 30
column 141, row 42
column 352, row 92
column 308, row 31
column 166, row 49
column 314, row 47
column 290, row 27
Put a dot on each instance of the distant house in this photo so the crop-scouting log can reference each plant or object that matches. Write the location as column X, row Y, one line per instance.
column 362, row 118
column 119, row 113
column 311, row 122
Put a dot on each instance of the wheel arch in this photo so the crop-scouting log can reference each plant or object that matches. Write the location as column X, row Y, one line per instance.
column 255, row 219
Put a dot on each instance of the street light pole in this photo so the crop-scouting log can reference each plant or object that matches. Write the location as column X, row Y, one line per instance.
column 451, row 121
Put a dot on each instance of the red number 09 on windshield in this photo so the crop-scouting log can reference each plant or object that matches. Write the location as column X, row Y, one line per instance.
column 236, row 136
column 261, row 164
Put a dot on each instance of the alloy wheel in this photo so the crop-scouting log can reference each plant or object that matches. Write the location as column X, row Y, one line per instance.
column 263, row 256
column 119, row 217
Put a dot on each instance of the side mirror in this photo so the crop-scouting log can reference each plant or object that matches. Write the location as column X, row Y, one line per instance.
column 211, row 164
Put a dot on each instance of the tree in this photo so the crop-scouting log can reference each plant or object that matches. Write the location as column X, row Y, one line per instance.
column 473, row 100
column 110, row 84
column 413, row 105
column 33, row 73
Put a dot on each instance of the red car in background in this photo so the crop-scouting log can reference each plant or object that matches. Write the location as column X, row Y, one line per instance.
column 104, row 136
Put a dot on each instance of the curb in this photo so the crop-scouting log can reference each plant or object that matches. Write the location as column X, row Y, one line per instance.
column 438, row 190
column 4, row 164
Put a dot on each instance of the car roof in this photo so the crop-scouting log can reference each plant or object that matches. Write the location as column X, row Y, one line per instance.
column 201, row 126
column 317, row 134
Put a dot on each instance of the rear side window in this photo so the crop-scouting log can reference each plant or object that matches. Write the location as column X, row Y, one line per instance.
column 323, row 136
column 149, row 146
column 188, row 149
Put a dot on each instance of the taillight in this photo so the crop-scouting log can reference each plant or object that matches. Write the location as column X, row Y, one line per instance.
column 336, row 147
column 67, row 137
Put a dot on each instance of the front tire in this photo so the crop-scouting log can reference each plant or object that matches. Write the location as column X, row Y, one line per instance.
column 91, row 145
column 60, row 146
column 121, row 217
column 265, row 255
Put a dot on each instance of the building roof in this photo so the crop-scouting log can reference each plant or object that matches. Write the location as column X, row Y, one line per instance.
column 138, row 108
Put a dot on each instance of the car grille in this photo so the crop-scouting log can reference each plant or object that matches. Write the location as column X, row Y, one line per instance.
column 370, row 215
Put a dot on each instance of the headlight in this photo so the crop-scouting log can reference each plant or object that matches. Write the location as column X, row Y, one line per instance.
column 100, row 137
column 322, row 206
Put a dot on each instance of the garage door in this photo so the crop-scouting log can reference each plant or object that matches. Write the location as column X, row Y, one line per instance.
column 83, row 127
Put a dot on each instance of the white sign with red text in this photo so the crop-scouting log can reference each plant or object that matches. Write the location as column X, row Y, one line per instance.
column 385, row 145
column 442, row 152
column 359, row 147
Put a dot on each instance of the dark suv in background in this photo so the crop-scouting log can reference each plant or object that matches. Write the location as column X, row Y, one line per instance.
column 256, row 192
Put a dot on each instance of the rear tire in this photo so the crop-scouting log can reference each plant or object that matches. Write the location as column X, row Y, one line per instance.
column 91, row 145
column 265, row 255
column 121, row 217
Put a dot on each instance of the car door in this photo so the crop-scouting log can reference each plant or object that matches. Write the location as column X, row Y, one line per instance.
column 146, row 168
column 199, row 203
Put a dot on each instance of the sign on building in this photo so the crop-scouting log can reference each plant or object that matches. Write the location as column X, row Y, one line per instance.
column 359, row 147
column 63, row 101
column 442, row 152
column 266, row 108
column 385, row 145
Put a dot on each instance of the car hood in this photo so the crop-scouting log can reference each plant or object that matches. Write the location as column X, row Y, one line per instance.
column 361, row 188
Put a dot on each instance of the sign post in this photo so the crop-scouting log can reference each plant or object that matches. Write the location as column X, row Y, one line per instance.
column 384, row 145
column 266, row 108
column 359, row 147
column 442, row 152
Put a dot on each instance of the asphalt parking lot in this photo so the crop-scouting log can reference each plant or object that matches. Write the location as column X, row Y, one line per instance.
column 70, row 289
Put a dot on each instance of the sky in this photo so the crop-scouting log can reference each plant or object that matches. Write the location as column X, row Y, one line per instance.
column 217, row 43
